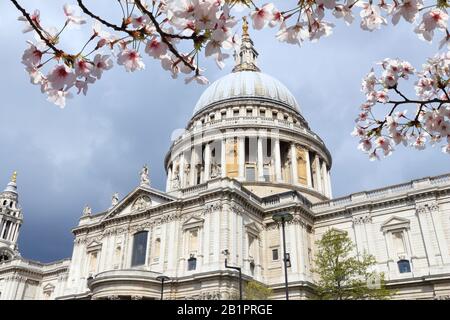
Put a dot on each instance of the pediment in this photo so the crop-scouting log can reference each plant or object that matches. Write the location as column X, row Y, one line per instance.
column 395, row 223
column 193, row 222
column 253, row 228
column 139, row 200
column 48, row 287
column 94, row 245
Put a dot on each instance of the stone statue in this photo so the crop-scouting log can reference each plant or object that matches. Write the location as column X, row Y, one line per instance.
column 215, row 169
column 145, row 181
column 115, row 199
column 176, row 181
column 87, row 211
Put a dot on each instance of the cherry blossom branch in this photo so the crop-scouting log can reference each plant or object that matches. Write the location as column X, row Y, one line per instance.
column 103, row 21
column 164, row 35
column 36, row 28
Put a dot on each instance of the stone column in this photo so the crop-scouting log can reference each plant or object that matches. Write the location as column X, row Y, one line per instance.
column 277, row 154
column 10, row 231
column 181, row 169
column 329, row 185
column 207, row 166
column 422, row 212
column 3, row 228
column 440, row 235
column 241, row 158
column 169, row 179
column 260, row 159
column 17, row 234
column 308, row 170
column 193, row 167
column 319, row 182
column 324, row 180
column 294, row 163
column 223, row 158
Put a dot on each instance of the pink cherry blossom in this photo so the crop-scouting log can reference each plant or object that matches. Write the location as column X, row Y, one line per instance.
column 156, row 48
column 83, row 67
column 101, row 63
column 262, row 16
column 58, row 97
column 295, row 34
column 70, row 11
column 408, row 9
column 35, row 17
column 371, row 18
column 32, row 56
column 431, row 20
column 344, row 12
column 61, row 76
column 131, row 60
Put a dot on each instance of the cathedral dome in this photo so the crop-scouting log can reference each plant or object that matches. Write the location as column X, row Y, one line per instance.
column 246, row 84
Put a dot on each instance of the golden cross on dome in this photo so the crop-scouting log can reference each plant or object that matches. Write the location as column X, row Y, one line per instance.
column 244, row 26
column 14, row 177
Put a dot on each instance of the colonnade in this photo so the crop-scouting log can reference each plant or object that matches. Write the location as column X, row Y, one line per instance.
column 218, row 158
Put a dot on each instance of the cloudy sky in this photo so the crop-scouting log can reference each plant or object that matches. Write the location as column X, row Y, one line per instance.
column 97, row 144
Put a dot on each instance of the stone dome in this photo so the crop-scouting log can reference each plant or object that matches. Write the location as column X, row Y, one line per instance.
column 246, row 84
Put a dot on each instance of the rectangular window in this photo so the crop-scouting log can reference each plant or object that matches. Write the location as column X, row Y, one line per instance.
column 250, row 174
column 399, row 243
column 266, row 173
column 139, row 249
column 249, row 112
column 262, row 113
column 236, row 113
column 192, row 263
column 275, row 255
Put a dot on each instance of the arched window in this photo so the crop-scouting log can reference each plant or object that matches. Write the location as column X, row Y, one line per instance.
column 404, row 266
column 139, row 248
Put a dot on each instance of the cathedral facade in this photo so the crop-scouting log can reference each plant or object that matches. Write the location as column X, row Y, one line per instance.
column 247, row 153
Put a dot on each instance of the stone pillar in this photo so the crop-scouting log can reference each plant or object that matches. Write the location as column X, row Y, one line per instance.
column 17, row 234
column 3, row 228
column 323, row 172
column 308, row 170
column 207, row 166
column 260, row 159
column 223, row 158
column 193, row 167
column 277, row 154
column 440, row 235
column 241, row 158
column 169, row 179
column 422, row 212
column 329, row 185
column 181, row 169
column 319, row 182
column 11, row 228
column 294, row 164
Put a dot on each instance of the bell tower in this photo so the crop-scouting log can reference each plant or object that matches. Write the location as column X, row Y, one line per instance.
column 11, row 219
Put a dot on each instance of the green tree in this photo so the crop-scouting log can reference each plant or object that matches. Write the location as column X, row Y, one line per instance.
column 256, row 291
column 344, row 276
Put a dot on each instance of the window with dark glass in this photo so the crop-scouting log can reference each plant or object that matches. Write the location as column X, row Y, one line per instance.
column 139, row 248
column 192, row 263
column 404, row 266
column 275, row 254
column 252, row 268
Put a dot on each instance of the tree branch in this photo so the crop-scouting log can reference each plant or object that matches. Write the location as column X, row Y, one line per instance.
column 163, row 35
column 36, row 28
